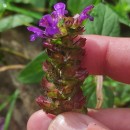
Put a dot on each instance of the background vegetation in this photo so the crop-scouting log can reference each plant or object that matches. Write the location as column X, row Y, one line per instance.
column 111, row 18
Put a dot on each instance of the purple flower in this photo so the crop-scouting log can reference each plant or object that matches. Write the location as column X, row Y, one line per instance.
column 37, row 33
column 48, row 21
column 54, row 23
column 50, row 31
column 84, row 14
column 60, row 9
column 50, row 24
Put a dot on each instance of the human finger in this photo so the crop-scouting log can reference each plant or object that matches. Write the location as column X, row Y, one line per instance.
column 108, row 56
column 75, row 121
column 115, row 119
column 66, row 121
column 39, row 121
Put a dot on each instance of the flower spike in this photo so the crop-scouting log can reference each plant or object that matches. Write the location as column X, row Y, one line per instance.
column 64, row 74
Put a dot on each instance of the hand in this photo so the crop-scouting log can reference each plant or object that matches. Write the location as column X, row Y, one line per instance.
column 105, row 56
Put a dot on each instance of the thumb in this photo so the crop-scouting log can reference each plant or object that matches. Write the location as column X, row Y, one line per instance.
column 75, row 121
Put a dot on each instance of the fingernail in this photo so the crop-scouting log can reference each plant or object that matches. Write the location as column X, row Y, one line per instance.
column 61, row 123
column 75, row 121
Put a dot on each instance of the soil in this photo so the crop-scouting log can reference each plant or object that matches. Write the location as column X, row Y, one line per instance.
column 18, row 40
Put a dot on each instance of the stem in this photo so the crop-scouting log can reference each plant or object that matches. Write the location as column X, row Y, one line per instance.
column 5, row 103
column 23, row 11
column 11, row 67
column 99, row 92
column 13, row 52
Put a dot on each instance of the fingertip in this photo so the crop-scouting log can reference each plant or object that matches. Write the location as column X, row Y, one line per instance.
column 75, row 121
column 112, row 117
column 108, row 56
column 39, row 121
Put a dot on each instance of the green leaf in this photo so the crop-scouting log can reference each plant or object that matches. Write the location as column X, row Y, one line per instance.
column 22, row 1
column 124, row 20
column 105, row 22
column 33, row 72
column 37, row 3
column 108, row 97
column 2, row 5
column 14, row 21
column 121, row 10
column 23, row 11
column 76, row 6
column 52, row 2
column 89, row 90
column 121, row 91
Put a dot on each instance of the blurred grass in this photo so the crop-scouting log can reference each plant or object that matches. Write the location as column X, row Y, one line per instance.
column 9, row 114
column 10, row 101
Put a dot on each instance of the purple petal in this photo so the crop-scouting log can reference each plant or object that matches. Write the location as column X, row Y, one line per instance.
column 50, row 24
column 66, row 11
column 87, row 9
column 54, row 17
column 59, row 5
column 54, row 14
column 61, row 13
column 60, row 9
column 90, row 17
column 35, row 30
column 82, row 17
column 52, row 31
column 37, row 33
column 33, row 37
column 46, row 21
column 84, row 14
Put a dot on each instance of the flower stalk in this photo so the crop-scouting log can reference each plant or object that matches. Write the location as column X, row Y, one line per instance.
column 64, row 74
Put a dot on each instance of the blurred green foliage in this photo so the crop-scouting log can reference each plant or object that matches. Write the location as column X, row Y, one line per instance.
column 122, row 9
column 89, row 90
column 105, row 22
column 9, row 101
column 33, row 72
column 76, row 6
column 14, row 21
column 108, row 18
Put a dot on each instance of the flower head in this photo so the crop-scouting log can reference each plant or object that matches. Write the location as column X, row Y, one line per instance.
column 65, row 50
column 57, row 24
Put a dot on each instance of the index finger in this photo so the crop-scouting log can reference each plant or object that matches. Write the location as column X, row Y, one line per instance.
column 108, row 56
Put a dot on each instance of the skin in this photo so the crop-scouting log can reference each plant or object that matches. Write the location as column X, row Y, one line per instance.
column 104, row 56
